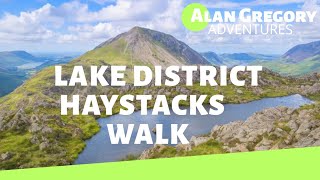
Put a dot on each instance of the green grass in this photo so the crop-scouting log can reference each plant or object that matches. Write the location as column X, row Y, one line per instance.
column 68, row 140
column 64, row 145
column 283, row 67
column 209, row 147
column 130, row 157
column 19, row 145
column 70, row 145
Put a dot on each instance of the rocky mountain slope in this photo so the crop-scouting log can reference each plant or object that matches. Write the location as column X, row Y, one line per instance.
column 34, row 134
column 272, row 128
column 144, row 46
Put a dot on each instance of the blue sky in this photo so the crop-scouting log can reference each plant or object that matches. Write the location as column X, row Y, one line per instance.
column 80, row 25
column 16, row 6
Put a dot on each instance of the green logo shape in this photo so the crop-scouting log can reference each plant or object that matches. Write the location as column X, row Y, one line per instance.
column 195, row 12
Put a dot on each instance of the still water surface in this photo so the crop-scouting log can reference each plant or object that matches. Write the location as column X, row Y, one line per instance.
column 100, row 149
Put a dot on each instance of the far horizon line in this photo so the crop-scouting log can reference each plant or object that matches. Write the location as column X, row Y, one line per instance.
column 205, row 49
column 83, row 52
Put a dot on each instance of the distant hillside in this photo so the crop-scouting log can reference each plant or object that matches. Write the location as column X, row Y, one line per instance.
column 55, row 61
column 282, row 66
column 234, row 59
column 10, row 80
column 300, row 60
column 246, row 58
column 213, row 58
column 238, row 56
column 17, row 66
column 34, row 133
column 10, row 59
column 144, row 46
column 303, row 51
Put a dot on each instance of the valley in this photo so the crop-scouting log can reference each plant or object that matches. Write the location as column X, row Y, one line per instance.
column 34, row 134
column 300, row 60
column 287, row 68
column 233, row 59
column 18, row 66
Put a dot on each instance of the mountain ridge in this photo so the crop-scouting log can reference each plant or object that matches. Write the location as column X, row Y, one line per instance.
column 16, row 58
column 213, row 58
column 302, row 51
column 34, row 134
column 300, row 60
column 144, row 46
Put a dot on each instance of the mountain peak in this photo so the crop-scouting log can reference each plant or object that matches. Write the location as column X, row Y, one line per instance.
column 145, row 46
column 133, row 32
column 136, row 28
column 138, row 33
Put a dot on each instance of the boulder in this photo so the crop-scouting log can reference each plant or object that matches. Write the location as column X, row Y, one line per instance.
column 239, row 91
column 195, row 141
column 6, row 156
column 44, row 145
column 34, row 127
column 46, row 130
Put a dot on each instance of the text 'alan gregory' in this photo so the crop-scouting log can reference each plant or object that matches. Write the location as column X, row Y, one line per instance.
column 248, row 21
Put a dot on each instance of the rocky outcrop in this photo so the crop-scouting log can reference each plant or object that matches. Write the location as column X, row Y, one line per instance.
column 310, row 89
column 273, row 128
column 6, row 156
column 157, row 149
column 32, row 112
column 147, row 154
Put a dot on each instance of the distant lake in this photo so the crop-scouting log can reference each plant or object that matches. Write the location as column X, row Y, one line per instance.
column 29, row 65
column 100, row 149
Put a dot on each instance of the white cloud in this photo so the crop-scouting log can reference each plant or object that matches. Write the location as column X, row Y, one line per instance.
column 47, row 21
column 309, row 31
column 73, row 24
column 169, row 21
column 67, row 38
column 121, row 17
column 96, row 33
column 273, row 2
column 122, row 10
column 28, row 25
column 229, row 5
